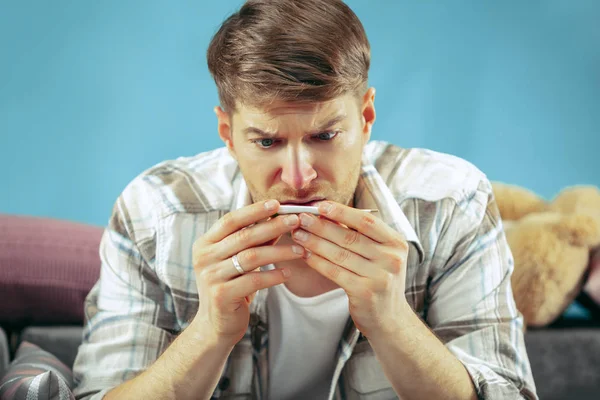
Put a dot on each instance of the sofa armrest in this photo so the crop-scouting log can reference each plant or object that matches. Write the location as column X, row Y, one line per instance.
column 61, row 341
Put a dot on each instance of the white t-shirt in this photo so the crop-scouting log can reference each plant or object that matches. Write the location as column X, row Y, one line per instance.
column 304, row 333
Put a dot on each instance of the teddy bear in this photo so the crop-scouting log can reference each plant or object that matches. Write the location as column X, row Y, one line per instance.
column 551, row 243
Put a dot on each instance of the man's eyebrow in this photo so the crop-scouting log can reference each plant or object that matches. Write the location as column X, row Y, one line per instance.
column 252, row 130
column 323, row 127
column 329, row 123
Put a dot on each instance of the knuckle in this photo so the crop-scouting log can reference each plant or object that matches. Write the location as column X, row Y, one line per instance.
column 396, row 262
column 351, row 237
column 333, row 272
column 335, row 211
column 341, row 256
column 219, row 294
column 281, row 221
column 367, row 221
column 243, row 235
column 256, row 280
column 249, row 256
column 400, row 243
column 200, row 253
column 197, row 254
column 227, row 221
column 207, row 274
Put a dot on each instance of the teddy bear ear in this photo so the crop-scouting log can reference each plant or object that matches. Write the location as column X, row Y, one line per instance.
column 577, row 198
column 514, row 202
column 579, row 230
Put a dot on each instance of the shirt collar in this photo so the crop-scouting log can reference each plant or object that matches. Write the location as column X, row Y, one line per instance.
column 372, row 192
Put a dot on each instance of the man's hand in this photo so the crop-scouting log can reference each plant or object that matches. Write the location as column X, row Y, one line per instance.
column 365, row 257
column 191, row 366
column 224, row 294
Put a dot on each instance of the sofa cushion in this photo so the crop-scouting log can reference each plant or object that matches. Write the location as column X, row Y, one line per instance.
column 62, row 341
column 47, row 267
column 564, row 362
column 35, row 375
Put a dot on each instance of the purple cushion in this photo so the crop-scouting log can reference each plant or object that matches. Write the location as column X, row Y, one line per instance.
column 35, row 375
column 47, row 267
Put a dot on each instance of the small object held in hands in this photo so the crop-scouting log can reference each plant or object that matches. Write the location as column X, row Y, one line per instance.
column 308, row 209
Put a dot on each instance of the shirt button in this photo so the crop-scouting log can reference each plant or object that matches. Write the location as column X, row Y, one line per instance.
column 224, row 383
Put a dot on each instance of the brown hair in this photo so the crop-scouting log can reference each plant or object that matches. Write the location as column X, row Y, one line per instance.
column 289, row 50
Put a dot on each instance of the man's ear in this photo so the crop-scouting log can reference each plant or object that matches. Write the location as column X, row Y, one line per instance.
column 224, row 128
column 368, row 113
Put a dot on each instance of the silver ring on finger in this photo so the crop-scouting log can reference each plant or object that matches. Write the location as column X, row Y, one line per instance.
column 236, row 264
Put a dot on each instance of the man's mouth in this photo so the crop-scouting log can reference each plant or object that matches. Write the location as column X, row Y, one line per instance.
column 312, row 202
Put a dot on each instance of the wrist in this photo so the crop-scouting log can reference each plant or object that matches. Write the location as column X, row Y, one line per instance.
column 207, row 338
column 399, row 323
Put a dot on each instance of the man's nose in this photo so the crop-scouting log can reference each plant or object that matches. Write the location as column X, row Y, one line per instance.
column 298, row 171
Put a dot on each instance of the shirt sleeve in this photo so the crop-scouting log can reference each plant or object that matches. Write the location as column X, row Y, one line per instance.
column 471, row 305
column 128, row 320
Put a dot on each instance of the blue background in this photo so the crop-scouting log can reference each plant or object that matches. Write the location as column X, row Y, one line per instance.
column 93, row 93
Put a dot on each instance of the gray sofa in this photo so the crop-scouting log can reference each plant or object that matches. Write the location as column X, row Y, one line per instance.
column 565, row 357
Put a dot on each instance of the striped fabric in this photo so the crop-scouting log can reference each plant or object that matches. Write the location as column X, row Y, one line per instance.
column 36, row 374
column 4, row 352
column 458, row 275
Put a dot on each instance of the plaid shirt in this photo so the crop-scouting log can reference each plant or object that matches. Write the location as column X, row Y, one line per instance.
column 458, row 275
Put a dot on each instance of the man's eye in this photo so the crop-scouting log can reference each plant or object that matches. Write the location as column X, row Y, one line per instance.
column 264, row 143
column 325, row 136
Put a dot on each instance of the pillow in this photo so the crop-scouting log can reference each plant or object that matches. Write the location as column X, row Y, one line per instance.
column 47, row 267
column 36, row 374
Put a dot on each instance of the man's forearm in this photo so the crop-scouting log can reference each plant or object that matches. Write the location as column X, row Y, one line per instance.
column 189, row 369
column 418, row 365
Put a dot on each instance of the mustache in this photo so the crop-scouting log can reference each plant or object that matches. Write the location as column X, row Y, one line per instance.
column 291, row 194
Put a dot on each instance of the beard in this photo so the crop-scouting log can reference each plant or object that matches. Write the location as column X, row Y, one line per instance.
column 342, row 192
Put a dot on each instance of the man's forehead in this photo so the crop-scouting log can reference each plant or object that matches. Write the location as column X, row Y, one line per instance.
column 313, row 113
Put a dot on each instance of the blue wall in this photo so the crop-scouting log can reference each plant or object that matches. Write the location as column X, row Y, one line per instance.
column 92, row 93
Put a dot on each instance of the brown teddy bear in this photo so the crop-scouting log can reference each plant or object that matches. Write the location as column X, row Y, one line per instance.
column 551, row 242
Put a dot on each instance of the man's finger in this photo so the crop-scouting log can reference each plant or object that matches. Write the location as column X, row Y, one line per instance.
column 342, row 236
column 241, row 218
column 364, row 222
column 255, row 235
column 337, row 255
column 256, row 257
column 246, row 285
column 341, row 276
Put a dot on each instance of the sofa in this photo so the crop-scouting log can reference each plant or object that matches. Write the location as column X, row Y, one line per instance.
column 48, row 266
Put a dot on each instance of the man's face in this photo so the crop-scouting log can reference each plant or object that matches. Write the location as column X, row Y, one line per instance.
column 300, row 154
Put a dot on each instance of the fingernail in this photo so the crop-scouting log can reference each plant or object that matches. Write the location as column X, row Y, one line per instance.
column 307, row 254
column 305, row 220
column 291, row 220
column 325, row 208
column 301, row 235
column 297, row 249
column 286, row 272
column 271, row 205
